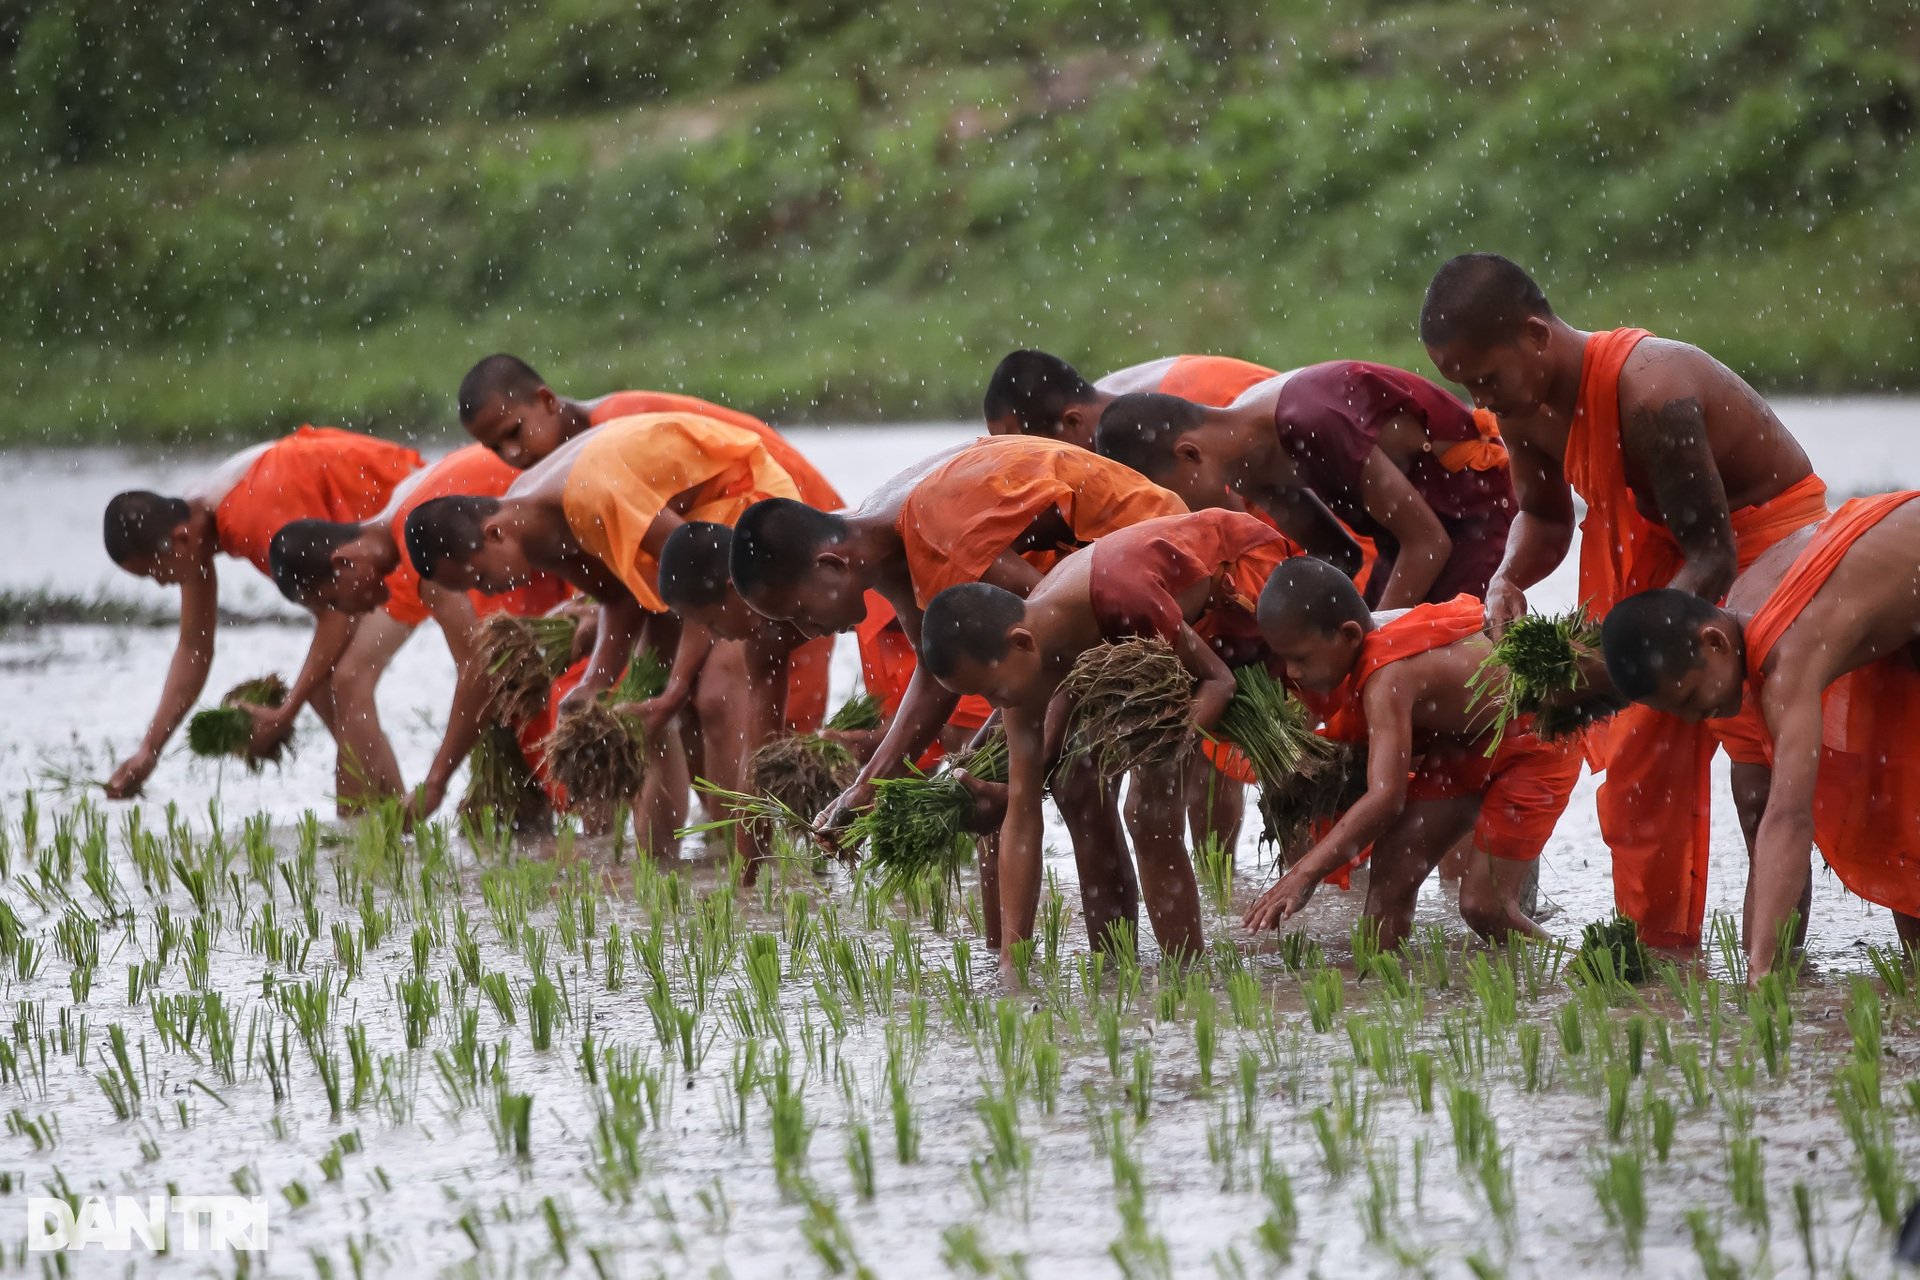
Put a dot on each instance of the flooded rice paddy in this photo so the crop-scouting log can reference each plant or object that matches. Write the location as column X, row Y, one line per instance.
column 447, row 1053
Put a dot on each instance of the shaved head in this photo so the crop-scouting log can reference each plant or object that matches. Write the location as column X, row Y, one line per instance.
column 1653, row 638
column 776, row 540
column 1140, row 430
column 969, row 623
column 1309, row 596
column 1480, row 299
column 694, row 573
column 139, row 524
column 452, row 528
column 301, row 555
column 496, row 378
column 1035, row 389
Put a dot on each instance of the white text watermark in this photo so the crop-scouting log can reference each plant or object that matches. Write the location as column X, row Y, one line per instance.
column 120, row 1224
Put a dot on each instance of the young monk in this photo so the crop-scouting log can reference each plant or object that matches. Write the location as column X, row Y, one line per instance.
column 1819, row 639
column 1400, row 684
column 1687, row 475
column 1396, row 458
column 1036, row 394
column 235, row 510
column 355, row 568
column 1191, row 580
column 597, row 512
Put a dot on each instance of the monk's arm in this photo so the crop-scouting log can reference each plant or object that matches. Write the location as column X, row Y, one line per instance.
column 689, row 660
column 186, row 677
column 1020, row 831
column 1783, row 847
column 1542, row 531
column 621, row 619
column 1389, row 711
column 769, row 666
column 467, row 715
column 332, row 633
column 1424, row 545
column 1664, row 437
column 1301, row 515
column 1214, row 684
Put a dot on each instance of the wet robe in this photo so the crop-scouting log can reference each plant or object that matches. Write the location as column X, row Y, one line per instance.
column 1138, row 574
column 1329, row 417
column 1866, row 804
column 1525, row 785
column 474, row 470
column 317, row 473
column 808, row 666
column 1654, row 800
column 970, row 510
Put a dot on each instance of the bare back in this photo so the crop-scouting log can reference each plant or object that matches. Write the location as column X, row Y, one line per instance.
column 1437, row 682
column 1867, row 609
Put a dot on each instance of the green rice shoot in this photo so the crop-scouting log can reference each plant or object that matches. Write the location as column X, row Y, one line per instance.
column 1272, row 727
column 224, row 731
column 1611, row 950
column 1536, row 661
column 922, row 823
column 857, row 714
column 499, row 781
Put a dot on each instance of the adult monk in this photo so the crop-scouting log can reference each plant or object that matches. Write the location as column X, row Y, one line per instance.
column 1687, row 475
column 596, row 512
column 999, row 510
column 1395, row 457
column 356, row 568
column 235, row 510
column 1818, row 639
column 1036, row 394
column 1190, row 580
column 1401, row 684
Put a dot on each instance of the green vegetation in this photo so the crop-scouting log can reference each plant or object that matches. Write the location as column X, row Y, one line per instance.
column 222, row 224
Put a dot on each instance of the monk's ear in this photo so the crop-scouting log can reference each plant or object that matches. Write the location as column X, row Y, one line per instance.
column 1020, row 640
column 1715, row 639
column 493, row 530
column 830, row 560
column 1352, row 632
column 1535, row 332
column 1187, row 450
column 545, row 398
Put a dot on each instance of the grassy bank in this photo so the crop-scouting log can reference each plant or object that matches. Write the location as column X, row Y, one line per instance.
column 834, row 240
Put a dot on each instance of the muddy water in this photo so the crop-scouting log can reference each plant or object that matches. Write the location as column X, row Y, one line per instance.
column 708, row 1197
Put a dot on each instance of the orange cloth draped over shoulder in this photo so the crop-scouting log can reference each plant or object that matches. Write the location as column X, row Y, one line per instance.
column 1654, row 801
column 810, row 664
column 1212, row 380
column 317, row 473
column 630, row 470
column 972, row 509
column 1139, row 573
column 474, row 470
column 1866, row 803
column 1524, row 786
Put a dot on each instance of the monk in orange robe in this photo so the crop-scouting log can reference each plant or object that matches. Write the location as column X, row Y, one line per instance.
column 596, row 513
column 1687, row 476
column 353, row 569
column 1035, row 394
column 1813, row 651
column 507, row 407
column 1190, row 580
column 317, row 472
column 1400, row 684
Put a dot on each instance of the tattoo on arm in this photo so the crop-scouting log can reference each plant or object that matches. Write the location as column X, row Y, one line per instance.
column 1671, row 446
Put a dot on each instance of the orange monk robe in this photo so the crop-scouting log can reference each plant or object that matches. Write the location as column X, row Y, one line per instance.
column 474, row 470
column 970, row 510
column 317, row 473
column 1524, row 786
column 1654, row 802
column 887, row 664
column 1139, row 573
column 808, row 668
column 1866, row 803
column 630, row 470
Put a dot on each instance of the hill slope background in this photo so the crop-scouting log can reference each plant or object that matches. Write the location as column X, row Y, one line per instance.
column 216, row 229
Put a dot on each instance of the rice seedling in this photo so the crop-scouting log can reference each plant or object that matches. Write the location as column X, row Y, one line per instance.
column 1611, row 954
column 1535, row 669
column 1662, row 1120
column 1324, row 994
column 1131, row 707
column 802, row 773
column 1619, row 1184
column 1747, row 1181
column 595, row 752
column 511, row 1121
column 522, row 657
column 502, row 792
column 1803, row 1223
column 224, row 731
column 920, row 824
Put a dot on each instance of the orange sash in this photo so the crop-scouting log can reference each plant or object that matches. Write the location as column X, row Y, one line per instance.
column 970, row 510
column 1866, row 807
column 317, row 473
column 1488, row 453
column 1421, row 629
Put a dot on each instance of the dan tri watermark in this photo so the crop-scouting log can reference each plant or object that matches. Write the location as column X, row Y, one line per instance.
column 157, row 1224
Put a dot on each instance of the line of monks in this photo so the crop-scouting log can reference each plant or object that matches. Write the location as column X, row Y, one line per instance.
column 1353, row 526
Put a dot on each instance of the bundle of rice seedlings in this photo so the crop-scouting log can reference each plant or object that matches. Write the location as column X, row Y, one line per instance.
column 860, row 712
column 597, row 753
column 1321, row 789
column 521, row 657
column 499, row 782
column 1536, row 661
column 224, row 730
column 1271, row 727
column 1132, row 707
column 1611, row 950
column 922, row 822
column 803, row 771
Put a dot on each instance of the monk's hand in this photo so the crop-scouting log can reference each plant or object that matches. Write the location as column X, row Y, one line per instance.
column 427, row 797
column 839, row 815
column 989, row 802
column 1280, row 903
column 270, row 728
column 586, row 629
column 1505, row 602
column 862, row 742
column 654, row 714
column 131, row 775
column 577, row 697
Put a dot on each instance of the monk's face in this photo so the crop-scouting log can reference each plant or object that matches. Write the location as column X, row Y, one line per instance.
column 1315, row 660
column 182, row 558
column 359, row 578
column 498, row 566
column 1016, row 679
column 1509, row 379
column 520, row 432
column 1709, row 690
column 825, row 600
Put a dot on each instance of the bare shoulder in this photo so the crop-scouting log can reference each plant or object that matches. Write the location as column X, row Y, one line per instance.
column 1867, row 609
column 1662, row 370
